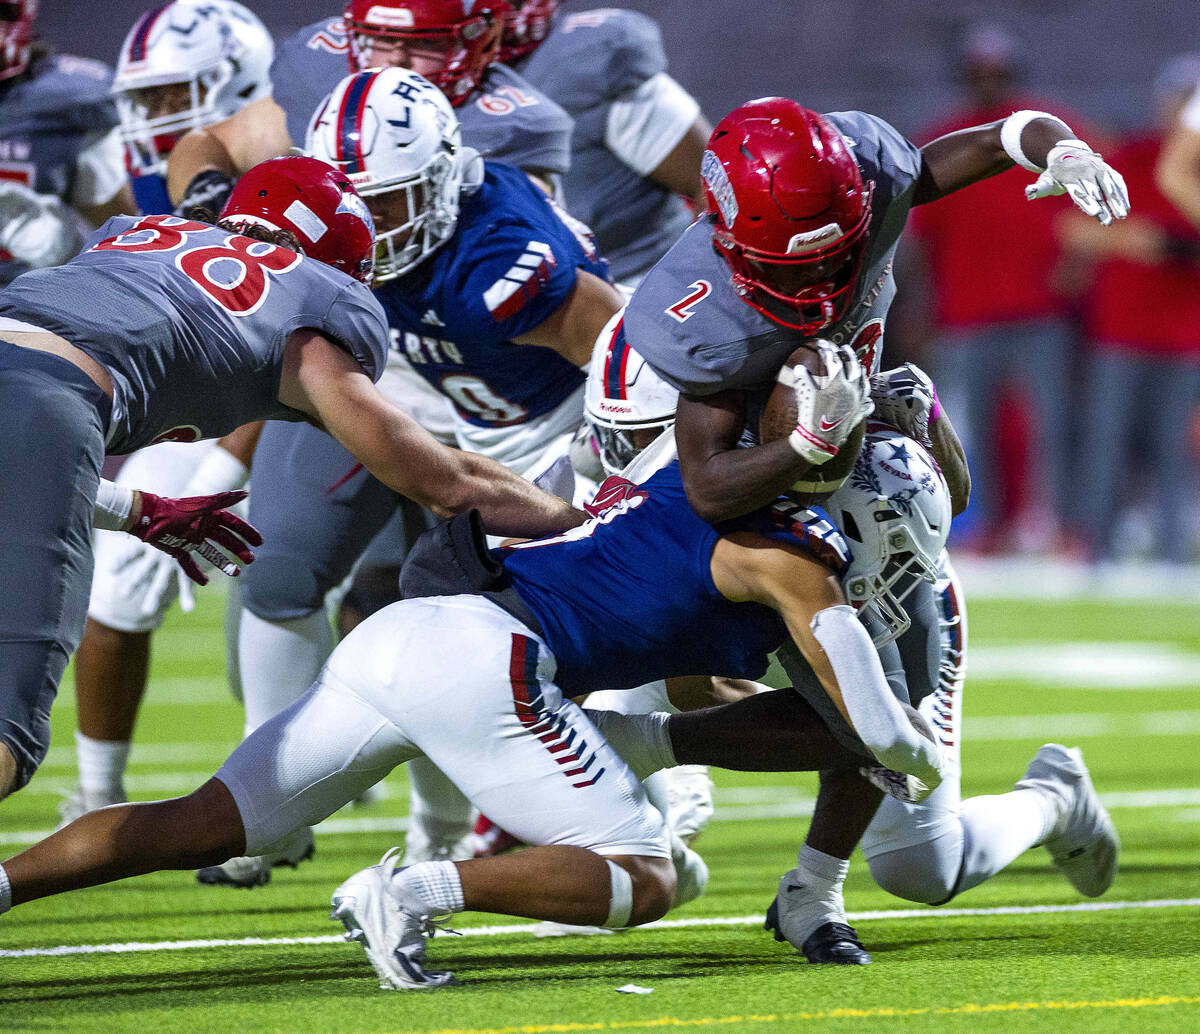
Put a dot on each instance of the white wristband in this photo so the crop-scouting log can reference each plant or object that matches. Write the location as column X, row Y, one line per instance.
column 113, row 505
column 219, row 471
column 1010, row 136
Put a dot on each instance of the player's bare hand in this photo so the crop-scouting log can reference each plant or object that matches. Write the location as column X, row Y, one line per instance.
column 1074, row 169
column 202, row 525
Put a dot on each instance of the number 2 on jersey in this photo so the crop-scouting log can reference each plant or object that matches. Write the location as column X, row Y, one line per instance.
column 233, row 272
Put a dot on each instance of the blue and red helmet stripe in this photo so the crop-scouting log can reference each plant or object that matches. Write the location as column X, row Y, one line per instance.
column 141, row 33
column 349, row 121
column 616, row 360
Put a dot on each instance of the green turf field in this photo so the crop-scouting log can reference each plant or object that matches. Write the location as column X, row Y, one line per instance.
column 1119, row 680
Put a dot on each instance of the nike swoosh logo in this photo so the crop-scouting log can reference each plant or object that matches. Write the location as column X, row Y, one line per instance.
column 827, row 426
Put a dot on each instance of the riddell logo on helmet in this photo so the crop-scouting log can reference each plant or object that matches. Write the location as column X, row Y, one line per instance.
column 717, row 181
column 614, row 407
column 814, row 239
column 392, row 17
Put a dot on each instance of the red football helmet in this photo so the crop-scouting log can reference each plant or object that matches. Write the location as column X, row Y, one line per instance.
column 314, row 201
column 789, row 211
column 526, row 26
column 449, row 42
column 16, row 34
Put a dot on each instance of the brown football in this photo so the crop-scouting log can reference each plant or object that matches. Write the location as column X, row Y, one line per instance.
column 778, row 419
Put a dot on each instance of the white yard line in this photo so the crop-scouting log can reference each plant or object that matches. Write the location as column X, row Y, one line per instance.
column 665, row 924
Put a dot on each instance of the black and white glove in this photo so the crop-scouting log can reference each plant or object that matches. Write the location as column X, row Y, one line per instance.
column 828, row 406
column 37, row 229
column 208, row 190
column 906, row 788
column 906, row 399
column 1074, row 169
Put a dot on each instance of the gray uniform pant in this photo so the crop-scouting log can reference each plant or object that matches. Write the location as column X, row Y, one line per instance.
column 52, row 421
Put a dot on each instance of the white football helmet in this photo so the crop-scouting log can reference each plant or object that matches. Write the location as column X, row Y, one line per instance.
column 623, row 396
column 894, row 511
column 215, row 50
column 392, row 131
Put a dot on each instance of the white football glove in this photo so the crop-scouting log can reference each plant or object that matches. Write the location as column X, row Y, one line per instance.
column 154, row 578
column 828, row 406
column 906, row 399
column 1075, row 169
column 36, row 229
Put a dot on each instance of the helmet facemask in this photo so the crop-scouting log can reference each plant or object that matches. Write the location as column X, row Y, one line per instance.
column 420, row 212
column 189, row 104
column 805, row 290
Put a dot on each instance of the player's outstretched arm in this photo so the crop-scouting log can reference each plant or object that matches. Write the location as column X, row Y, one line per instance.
column 323, row 381
column 809, row 598
column 1038, row 142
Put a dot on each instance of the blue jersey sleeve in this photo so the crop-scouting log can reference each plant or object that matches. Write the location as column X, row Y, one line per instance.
column 809, row 529
column 518, row 275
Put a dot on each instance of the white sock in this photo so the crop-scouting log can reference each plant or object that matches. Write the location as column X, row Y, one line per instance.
column 822, row 866
column 435, row 884
column 817, row 897
column 279, row 661
column 998, row 828
column 102, row 766
column 5, row 892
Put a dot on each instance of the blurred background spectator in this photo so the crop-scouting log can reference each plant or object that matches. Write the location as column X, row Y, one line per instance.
column 1001, row 333
column 1141, row 312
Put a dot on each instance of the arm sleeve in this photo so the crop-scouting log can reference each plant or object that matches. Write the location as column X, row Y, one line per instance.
column 644, row 126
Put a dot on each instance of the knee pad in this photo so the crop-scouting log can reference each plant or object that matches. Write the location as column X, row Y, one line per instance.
column 620, row 897
column 280, row 588
column 926, row 873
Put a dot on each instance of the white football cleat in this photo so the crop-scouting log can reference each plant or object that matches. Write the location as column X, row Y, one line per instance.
column 391, row 924
column 429, row 840
column 80, row 802
column 1084, row 845
column 254, row 871
column 691, row 873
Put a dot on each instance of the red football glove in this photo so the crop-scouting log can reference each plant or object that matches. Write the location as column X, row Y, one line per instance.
column 200, row 524
column 613, row 489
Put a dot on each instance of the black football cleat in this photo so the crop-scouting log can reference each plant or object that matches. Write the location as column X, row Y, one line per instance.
column 830, row 944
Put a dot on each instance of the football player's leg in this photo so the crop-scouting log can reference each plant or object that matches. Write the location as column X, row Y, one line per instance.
column 315, row 507
column 531, row 760
column 132, row 590
column 50, row 470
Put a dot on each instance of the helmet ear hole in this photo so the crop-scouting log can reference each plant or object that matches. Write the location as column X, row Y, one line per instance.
column 850, row 526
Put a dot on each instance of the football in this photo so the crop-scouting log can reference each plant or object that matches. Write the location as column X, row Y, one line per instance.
column 779, row 418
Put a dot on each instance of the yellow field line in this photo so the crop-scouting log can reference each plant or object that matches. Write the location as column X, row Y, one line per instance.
column 971, row 1008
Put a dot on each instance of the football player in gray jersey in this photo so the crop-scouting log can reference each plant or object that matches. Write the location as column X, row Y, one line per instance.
column 167, row 329
column 61, row 165
column 804, row 214
column 639, row 136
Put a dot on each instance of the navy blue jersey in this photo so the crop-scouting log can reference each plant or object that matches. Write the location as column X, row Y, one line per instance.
column 510, row 264
column 150, row 193
column 506, row 119
column 629, row 596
